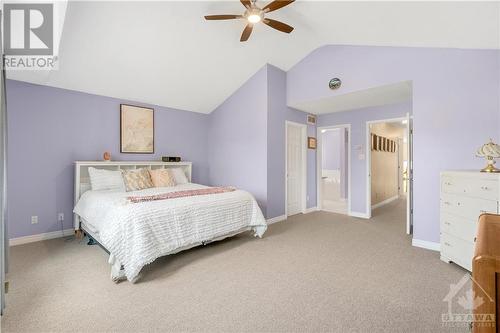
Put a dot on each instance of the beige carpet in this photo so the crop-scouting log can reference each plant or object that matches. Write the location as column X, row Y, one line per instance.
column 314, row 272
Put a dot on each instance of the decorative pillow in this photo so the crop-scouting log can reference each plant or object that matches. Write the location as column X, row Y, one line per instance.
column 162, row 178
column 179, row 176
column 137, row 179
column 101, row 179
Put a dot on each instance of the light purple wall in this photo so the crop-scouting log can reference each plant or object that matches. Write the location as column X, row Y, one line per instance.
column 358, row 119
column 238, row 139
column 331, row 146
column 455, row 107
column 278, row 114
column 50, row 128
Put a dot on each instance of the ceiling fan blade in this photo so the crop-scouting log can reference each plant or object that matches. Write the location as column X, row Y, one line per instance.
column 246, row 3
column 278, row 25
column 222, row 17
column 246, row 32
column 277, row 4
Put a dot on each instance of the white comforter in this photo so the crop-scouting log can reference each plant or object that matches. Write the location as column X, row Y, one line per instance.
column 138, row 233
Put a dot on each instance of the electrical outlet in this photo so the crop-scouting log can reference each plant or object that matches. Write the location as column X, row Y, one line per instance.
column 34, row 219
column 60, row 217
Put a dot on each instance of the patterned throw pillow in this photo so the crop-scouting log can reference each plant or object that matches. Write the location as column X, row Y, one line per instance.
column 137, row 179
column 162, row 178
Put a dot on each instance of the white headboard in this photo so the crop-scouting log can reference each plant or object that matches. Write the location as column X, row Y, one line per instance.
column 82, row 180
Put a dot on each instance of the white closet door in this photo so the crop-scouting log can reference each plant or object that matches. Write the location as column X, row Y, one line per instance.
column 294, row 169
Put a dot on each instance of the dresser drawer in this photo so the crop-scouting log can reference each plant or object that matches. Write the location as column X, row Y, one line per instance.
column 478, row 188
column 458, row 226
column 467, row 207
column 457, row 250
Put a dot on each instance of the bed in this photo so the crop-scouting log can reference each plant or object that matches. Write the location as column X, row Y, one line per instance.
column 135, row 234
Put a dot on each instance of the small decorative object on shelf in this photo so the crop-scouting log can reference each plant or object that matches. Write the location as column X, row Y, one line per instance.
column 490, row 151
column 171, row 158
column 107, row 156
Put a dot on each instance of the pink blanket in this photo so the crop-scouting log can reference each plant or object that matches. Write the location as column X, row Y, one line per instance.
column 180, row 194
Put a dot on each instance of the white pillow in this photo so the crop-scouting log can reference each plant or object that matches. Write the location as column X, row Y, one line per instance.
column 179, row 176
column 101, row 179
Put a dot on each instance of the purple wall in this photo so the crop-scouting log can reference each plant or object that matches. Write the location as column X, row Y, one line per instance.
column 358, row 119
column 455, row 107
column 333, row 155
column 238, row 139
column 50, row 128
column 278, row 114
column 331, row 146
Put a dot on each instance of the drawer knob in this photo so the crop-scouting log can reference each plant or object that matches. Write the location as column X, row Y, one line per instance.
column 447, row 223
column 484, row 187
column 475, row 239
column 447, row 203
column 447, row 244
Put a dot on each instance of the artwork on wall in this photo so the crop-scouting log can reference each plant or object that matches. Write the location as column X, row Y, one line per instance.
column 379, row 143
column 136, row 129
column 374, row 141
column 311, row 142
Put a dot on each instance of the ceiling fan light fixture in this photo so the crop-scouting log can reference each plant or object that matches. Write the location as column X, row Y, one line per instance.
column 254, row 18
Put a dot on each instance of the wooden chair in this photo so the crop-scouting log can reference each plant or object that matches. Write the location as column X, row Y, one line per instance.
column 486, row 274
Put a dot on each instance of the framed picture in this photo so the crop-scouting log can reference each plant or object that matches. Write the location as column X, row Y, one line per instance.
column 374, row 142
column 311, row 142
column 136, row 129
column 311, row 119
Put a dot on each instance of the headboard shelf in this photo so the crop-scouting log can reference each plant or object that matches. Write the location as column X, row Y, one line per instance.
column 82, row 180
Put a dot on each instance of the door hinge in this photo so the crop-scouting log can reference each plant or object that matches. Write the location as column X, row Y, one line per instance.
column 6, row 287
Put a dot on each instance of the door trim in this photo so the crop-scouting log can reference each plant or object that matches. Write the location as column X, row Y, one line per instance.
column 303, row 176
column 319, row 199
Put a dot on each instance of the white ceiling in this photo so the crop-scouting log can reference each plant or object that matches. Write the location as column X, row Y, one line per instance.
column 165, row 53
column 377, row 96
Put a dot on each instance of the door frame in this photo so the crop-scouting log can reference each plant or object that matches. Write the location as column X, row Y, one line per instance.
column 303, row 162
column 319, row 157
column 408, row 118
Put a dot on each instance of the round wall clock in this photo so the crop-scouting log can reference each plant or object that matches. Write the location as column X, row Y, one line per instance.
column 335, row 83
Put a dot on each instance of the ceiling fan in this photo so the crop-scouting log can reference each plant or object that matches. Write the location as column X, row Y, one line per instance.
column 254, row 14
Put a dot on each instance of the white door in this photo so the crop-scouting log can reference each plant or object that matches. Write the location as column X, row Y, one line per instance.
column 409, row 197
column 294, row 169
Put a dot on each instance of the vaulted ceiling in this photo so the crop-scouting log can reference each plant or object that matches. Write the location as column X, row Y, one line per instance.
column 165, row 53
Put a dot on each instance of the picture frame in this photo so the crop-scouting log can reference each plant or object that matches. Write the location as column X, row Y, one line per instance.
column 374, row 142
column 136, row 129
column 311, row 142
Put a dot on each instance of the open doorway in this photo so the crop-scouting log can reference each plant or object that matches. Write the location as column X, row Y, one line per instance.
column 333, row 169
column 389, row 167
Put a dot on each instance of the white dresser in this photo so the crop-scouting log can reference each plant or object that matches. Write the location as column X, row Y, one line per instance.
column 464, row 196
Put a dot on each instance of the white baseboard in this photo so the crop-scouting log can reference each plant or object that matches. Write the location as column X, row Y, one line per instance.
column 41, row 237
column 426, row 244
column 276, row 219
column 311, row 209
column 359, row 215
column 385, row 202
